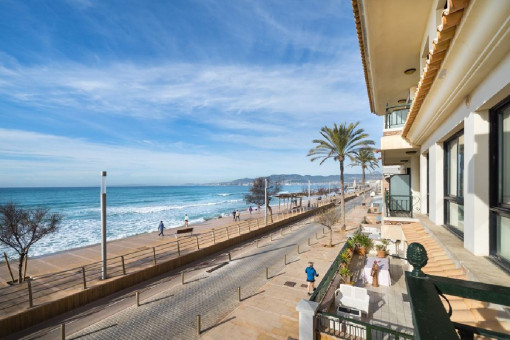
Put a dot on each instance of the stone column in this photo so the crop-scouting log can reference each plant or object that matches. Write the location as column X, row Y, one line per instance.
column 423, row 183
column 436, row 199
column 307, row 311
column 476, row 183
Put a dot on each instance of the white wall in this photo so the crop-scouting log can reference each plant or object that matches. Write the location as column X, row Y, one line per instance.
column 436, row 199
column 476, row 183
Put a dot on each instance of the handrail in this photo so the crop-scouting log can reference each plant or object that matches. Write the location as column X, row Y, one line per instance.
column 430, row 318
column 359, row 327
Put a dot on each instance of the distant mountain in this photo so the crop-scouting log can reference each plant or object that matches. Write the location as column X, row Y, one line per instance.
column 295, row 179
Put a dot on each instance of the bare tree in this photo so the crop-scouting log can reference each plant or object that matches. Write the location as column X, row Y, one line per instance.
column 257, row 196
column 20, row 228
column 328, row 218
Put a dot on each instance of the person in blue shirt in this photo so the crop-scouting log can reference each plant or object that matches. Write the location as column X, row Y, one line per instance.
column 161, row 227
column 311, row 274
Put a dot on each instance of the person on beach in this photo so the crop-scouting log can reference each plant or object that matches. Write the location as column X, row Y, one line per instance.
column 311, row 274
column 250, row 209
column 238, row 215
column 186, row 220
column 234, row 214
column 258, row 207
column 161, row 227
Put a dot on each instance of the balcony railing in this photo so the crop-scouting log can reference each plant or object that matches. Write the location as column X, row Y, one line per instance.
column 430, row 318
column 345, row 328
column 396, row 116
column 398, row 205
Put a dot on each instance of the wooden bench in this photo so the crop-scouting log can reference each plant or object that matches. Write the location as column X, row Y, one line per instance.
column 184, row 231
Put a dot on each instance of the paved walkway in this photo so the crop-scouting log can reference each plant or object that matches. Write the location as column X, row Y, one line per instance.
column 169, row 309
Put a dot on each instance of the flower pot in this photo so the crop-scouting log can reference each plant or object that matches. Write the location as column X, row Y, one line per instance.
column 361, row 250
column 381, row 253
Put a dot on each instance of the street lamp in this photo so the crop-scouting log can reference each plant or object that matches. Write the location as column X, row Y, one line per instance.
column 103, row 225
column 265, row 199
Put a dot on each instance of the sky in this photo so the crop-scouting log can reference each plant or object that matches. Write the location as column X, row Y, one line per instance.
column 173, row 92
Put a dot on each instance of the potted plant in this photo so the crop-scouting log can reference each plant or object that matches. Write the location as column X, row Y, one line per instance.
column 382, row 249
column 345, row 258
column 346, row 275
column 351, row 245
column 363, row 243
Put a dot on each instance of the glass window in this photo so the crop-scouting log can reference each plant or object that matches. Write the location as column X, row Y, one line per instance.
column 454, row 186
column 455, row 215
column 503, row 237
column 504, row 157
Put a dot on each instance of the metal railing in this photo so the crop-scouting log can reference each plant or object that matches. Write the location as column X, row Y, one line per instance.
column 346, row 328
column 396, row 116
column 41, row 289
column 398, row 205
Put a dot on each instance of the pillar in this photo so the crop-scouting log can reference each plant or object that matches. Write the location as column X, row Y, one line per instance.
column 436, row 199
column 476, row 183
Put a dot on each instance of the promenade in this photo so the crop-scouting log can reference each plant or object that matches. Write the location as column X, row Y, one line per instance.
column 169, row 309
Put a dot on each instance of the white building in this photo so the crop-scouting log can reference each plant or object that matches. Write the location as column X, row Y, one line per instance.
column 439, row 72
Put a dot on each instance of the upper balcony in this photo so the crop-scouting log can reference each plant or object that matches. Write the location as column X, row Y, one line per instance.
column 396, row 116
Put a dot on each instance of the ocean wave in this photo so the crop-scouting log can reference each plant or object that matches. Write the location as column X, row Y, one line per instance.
column 223, row 195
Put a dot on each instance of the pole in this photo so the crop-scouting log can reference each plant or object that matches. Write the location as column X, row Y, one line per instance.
column 63, row 331
column 265, row 200
column 198, row 244
column 198, row 324
column 154, row 255
column 84, row 279
column 25, row 270
column 213, row 237
column 239, row 293
column 308, row 190
column 285, row 259
column 30, row 300
column 178, row 248
column 104, row 274
column 182, row 278
column 123, row 265
column 8, row 266
column 137, row 295
column 229, row 256
column 267, row 273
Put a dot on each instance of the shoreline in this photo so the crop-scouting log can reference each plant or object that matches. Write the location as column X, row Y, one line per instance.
column 84, row 255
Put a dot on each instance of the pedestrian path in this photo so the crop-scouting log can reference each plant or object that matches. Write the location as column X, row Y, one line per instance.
column 271, row 314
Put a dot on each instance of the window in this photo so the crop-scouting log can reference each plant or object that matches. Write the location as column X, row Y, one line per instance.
column 500, row 182
column 454, row 183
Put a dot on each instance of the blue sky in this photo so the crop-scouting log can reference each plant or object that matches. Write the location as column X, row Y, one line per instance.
column 173, row 92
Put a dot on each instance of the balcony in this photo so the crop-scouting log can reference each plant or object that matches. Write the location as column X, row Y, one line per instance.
column 396, row 116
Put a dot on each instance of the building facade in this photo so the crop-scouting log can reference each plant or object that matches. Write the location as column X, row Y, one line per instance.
column 439, row 73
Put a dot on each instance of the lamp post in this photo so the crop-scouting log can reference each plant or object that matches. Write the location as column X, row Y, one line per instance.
column 103, row 225
column 308, row 190
column 265, row 200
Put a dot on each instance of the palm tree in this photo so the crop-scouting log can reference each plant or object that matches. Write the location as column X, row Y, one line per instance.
column 367, row 160
column 340, row 142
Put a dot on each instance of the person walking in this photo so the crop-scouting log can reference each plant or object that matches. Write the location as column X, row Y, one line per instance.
column 186, row 220
column 250, row 209
column 234, row 214
column 161, row 227
column 311, row 274
column 238, row 215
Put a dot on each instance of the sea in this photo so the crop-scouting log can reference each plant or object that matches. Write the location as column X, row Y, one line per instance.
column 130, row 210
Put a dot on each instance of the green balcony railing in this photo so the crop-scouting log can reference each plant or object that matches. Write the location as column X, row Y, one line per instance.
column 345, row 328
column 430, row 318
column 396, row 116
column 398, row 205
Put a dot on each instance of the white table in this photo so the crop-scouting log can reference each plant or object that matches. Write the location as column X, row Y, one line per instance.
column 384, row 271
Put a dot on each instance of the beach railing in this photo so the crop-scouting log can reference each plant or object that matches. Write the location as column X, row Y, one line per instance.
column 40, row 289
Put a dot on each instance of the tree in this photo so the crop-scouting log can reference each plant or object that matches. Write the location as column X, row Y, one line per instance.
column 20, row 228
column 257, row 195
column 367, row 160
column 328, row 218
column 339, row 143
